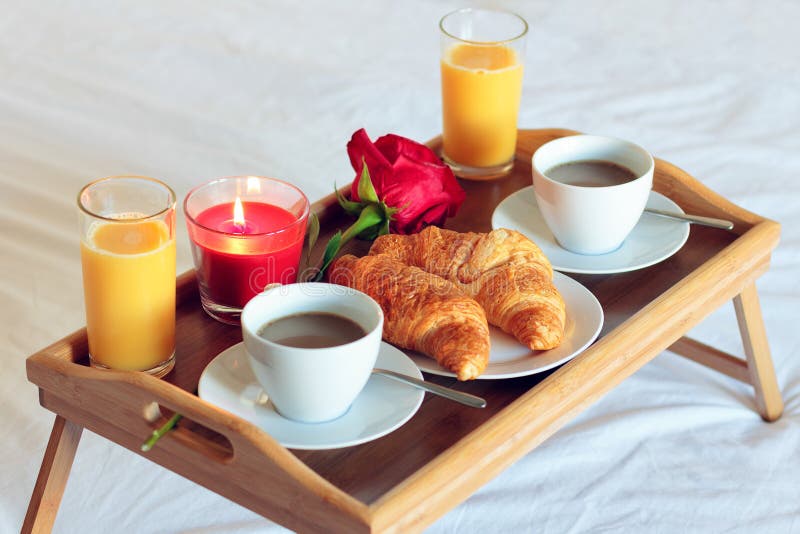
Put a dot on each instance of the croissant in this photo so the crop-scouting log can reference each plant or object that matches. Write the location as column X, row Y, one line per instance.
column 422, row 311
column 503, row 270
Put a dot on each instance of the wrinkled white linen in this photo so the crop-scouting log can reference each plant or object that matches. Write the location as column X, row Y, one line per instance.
column 189, row 91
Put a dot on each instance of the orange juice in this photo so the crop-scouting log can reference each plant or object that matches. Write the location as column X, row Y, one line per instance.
column 481, row 90
column 129, row 289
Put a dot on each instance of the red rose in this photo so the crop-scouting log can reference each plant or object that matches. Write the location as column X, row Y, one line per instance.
column 407, row 176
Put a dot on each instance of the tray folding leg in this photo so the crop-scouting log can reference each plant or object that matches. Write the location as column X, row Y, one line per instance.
column 757, row 368
column 53, row 475
column 756, row 348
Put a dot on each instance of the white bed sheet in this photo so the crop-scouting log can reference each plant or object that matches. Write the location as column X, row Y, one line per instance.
column 189, row 91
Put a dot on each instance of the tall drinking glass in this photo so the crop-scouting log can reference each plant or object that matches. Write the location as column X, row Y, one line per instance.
column 482, row 57
column 127, row 226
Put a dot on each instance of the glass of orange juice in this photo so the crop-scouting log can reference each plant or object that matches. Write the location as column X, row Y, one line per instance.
column 127, row 226
column 482, row 57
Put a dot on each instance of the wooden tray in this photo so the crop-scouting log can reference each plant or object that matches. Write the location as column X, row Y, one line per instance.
column 407, row 479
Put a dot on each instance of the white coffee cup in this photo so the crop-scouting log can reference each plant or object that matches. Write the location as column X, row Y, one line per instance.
column 312, row 385
column 591, row 220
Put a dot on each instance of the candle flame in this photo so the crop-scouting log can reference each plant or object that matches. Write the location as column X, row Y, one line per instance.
column 238, row 213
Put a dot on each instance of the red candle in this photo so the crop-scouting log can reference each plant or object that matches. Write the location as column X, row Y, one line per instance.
column 238, row 250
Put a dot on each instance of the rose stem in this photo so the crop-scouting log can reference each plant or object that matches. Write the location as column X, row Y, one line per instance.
column 156, row 435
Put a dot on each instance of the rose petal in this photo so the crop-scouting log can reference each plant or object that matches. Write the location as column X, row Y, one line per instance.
column 360, row 149
column 393, row 146
column 436, row 215
column 417, row 187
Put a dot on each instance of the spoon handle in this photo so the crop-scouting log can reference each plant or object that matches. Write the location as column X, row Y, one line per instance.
column 697, row 219
column 452, row 394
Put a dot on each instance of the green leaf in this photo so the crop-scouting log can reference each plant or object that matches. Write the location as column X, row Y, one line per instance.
column 366, row 191
column 331, row 250
column 312, row 233
column 349, row 206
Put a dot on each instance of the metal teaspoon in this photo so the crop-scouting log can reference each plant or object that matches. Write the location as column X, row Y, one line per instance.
column 436, row 389
column 697, row 219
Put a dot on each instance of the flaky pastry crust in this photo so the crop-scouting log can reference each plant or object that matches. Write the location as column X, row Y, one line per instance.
column 422, row 312
column 503, row 270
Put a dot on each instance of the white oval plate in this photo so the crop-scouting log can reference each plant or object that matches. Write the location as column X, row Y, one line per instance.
column 382, row 406
column 508, row 358
column 652, row 240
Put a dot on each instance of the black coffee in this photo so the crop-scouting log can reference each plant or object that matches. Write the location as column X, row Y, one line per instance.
column 591, row 173
column 312, row 330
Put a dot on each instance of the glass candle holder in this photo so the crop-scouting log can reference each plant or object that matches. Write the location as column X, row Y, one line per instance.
column 127, row 226
column 482, row 57
column 246, row 232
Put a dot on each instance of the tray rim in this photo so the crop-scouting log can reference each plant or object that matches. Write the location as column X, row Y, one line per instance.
column 425, row 495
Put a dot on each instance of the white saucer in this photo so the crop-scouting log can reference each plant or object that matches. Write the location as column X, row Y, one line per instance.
column 652, row 240
column 509, row 358
column 381, row 407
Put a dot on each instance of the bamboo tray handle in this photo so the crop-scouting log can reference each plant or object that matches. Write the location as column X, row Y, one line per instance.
column 126, row 400
column 244, row 465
